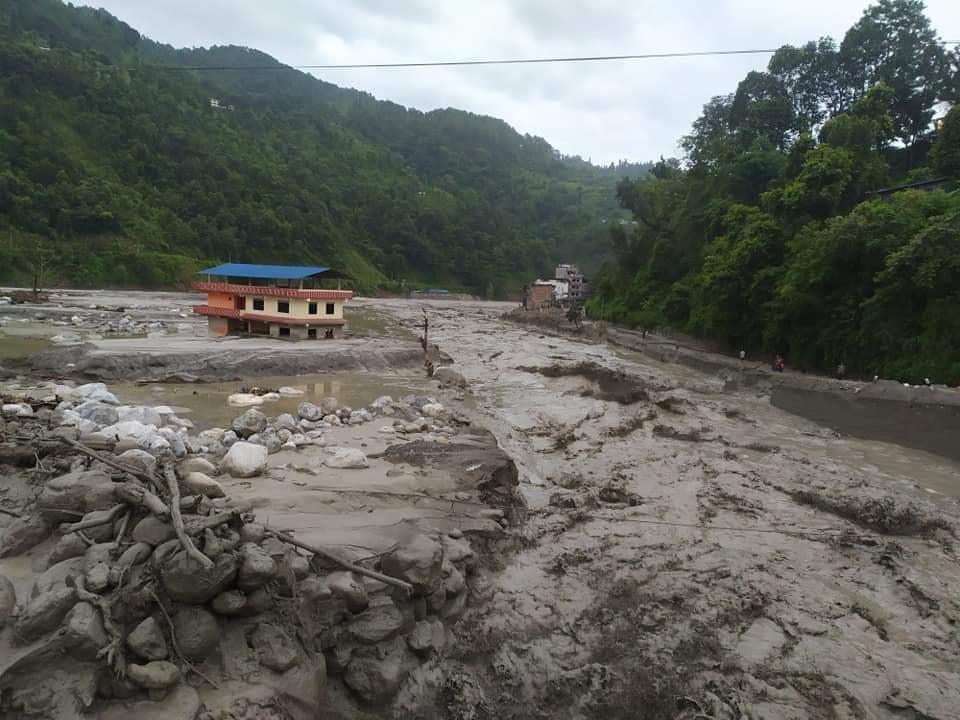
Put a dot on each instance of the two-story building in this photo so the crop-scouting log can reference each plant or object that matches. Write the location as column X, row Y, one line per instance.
column 278, row 300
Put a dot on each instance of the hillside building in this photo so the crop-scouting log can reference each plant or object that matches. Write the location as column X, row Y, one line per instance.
column 286, row 301
column 578, row 288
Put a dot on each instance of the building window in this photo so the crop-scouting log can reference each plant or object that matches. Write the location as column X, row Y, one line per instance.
column 284, row 332
column 258, row 303
column 330, row 309
column 312, row 309
column 283, row 306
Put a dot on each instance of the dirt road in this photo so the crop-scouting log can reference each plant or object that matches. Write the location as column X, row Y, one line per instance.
column 693, row 552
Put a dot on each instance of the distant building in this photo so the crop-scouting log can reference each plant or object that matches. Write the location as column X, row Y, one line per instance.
column 216, row 104
column 277, row 300
column 577, row 284
column 539, row 294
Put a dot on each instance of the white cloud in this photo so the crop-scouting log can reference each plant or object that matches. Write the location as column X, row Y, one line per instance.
column 605, row 111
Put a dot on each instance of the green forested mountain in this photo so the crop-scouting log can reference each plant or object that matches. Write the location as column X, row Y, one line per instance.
column 771, row 235
column 116, row 170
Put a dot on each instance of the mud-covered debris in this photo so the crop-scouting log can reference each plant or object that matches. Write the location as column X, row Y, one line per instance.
column 45, row 612
column 186, row 581
column 202, row 484
column 197, row 632
column 672, row 433
column 147, row 640
column 22, row 534
column 884, row 514
column 155, row 675
column 606, row 383
column 84, row 635
column 380, row 621
column 375, row 673
column 257, row 568
column 350, row 589
column 417, row 561
column 346, row 457
column 230, row 603
column 8, row 600
column 274, row 648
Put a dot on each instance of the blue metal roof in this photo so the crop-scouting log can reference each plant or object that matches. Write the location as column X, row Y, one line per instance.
column 271, row 272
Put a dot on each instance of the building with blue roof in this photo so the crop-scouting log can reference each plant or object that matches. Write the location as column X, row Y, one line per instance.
column 285, row 301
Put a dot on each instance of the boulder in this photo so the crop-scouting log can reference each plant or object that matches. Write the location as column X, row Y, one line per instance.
column 380, row 621
column 332, row 419
column 241, row 399
column 56, row 575
column 201, row 484
column 8, row 600
column 285, row 421
column 144, row 415
column 310, row 412
column 84, row 635
column 64, row 497
column 147, row 640
column 229, row 603
column 274, row 647
column 98, row 412
column 101, row 497
column 375, row 673
column 290, row 391
column 244, row 460
column 197, row 631
column 432, row 409
column 207, row 437
column 329, row 405
column 155, row 444
column 251, row 422
column 258, row 601
column 348, row 587
column 153, row 531
column 271, row 441
column 427, row 636
column 229, row 438
column 381, row 402
column 188, row 582
column 253, row 532
column 458, row 551
column 345, row 457
column 22, row 534
column 97, row 577
column 418, row 561
column 256, row 567
column 129, row 429
column 198, row 464
column 102, row 529
column 175, row 439
column 93, row 391
column 156, row 675
column 45, row 612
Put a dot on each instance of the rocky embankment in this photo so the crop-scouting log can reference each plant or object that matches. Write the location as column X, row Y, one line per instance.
column 131, row 585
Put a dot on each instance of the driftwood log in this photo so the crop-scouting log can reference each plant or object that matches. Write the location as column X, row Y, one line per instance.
column 188, row 546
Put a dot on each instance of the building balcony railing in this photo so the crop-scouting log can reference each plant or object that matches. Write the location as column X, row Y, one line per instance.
column 264, row 318
column 271, row 291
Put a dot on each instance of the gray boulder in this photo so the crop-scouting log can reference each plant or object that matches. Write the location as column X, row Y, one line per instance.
column 197, row 631
column 329, row 405
column 251, row 422
column 427, row 636
column 310, row 412
column 375, row 673
column 349, row 588
column 156, row 675
column 244, row 460
column 274, row 647
column 84, row 635
column 418, row 561
column 22, row 534
column 229, row 603
column 45, row 612
column 147, row 640
column 256, row 567
column 285, row 421
column 380, row 621
column 100, row 413
column 144, row 415
column 198, row 464
column 153, row 531
column 188, row 582
column 201, row 484
column 64, row 497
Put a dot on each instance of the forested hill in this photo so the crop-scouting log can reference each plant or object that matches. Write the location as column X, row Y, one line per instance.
column 115, row 171
column 772, row 235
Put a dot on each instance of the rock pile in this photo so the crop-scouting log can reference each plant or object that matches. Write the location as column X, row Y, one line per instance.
column 153, row 581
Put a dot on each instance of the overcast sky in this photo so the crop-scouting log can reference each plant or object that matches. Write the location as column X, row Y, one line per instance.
column 603, row 111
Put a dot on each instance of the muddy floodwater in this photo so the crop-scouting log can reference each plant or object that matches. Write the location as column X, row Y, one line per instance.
column 206, row 403
column 684, row 549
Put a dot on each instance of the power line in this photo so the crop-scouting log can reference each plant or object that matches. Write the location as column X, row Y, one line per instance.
column 467, row 63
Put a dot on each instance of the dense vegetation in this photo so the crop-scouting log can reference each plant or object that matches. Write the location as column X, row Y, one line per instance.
column 114, row 171
column 771, row 235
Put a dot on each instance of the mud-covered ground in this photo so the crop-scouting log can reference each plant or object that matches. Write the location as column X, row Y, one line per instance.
column 687, row 550
column 693, row 552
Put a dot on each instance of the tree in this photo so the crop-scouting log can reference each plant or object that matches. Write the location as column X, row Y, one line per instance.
column 945, row 153
column 893, row 42
column 762, row 108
